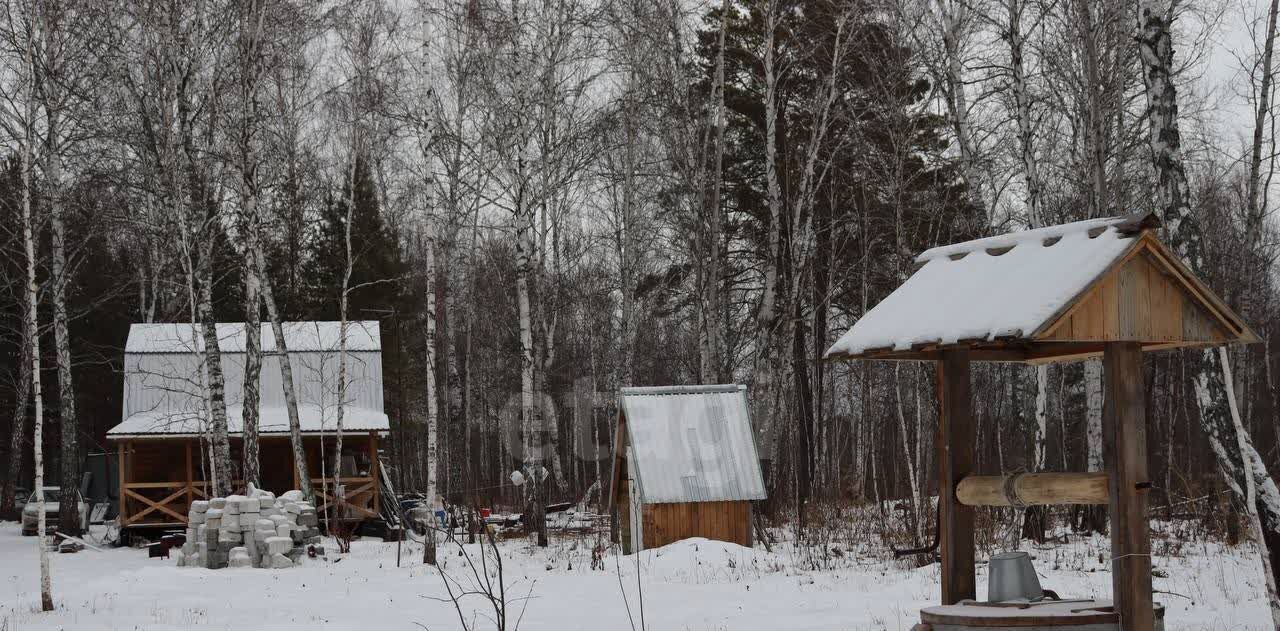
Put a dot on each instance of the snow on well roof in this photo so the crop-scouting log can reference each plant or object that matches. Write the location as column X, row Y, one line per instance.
column 692, row 444
column 299, row 336
column 1003, row 286
column 272, row 420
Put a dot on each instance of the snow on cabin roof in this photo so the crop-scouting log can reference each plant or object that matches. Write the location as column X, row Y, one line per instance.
column 691, row 444
column 299, row 336
column 272, row 420
column 1003, row 286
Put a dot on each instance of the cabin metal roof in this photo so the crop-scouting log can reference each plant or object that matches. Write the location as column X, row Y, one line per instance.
column 691, row 444
column 184, row 337
column 163, row 366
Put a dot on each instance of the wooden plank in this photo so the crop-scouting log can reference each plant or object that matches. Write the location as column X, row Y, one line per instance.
column 956, row 438
column 1125, row 452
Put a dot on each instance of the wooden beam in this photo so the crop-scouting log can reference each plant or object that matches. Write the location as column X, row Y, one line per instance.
column 190, row 477
column 373, row 469
column 1125, row 452
column 955, row 520
column 1033, row 489
column 123, row 517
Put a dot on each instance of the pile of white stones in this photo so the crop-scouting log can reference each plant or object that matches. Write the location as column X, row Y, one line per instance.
column 257, row 530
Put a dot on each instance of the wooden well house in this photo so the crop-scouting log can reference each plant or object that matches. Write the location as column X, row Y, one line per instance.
column 685, row 465
column 162, row 440
column 1105, row 287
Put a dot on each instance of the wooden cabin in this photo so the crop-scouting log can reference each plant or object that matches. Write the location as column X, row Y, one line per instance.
column 685, row 465
column 162, row 442
column 1103, row 287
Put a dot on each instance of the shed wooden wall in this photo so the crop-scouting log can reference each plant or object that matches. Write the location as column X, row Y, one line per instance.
column 722, row 521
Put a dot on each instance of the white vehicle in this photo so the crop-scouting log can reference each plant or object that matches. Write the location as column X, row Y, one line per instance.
column 52, row 496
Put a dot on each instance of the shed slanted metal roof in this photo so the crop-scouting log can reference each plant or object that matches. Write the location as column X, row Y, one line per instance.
column 691, row 444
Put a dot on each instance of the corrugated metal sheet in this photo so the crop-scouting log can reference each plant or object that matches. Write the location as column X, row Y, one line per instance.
column 300, row 336
column 162, row 383
column 692, row 444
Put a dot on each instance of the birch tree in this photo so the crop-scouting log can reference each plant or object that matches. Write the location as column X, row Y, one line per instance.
column 1240, row 463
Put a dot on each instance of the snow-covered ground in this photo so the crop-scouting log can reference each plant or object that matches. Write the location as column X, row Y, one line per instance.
column 693, row 585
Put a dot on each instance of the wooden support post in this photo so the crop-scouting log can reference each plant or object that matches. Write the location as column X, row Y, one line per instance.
column 123, row 517
column 373, row 470
column 190, row 479
column 297, row 481
column 955, row 456
column 1125, row 451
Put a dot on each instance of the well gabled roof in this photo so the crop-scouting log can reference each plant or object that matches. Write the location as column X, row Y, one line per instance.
column 1049, row 294
column 299, row 336
column 690, row 444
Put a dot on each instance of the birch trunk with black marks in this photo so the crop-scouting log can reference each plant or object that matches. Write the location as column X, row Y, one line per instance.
column 430, row 393
column 32, row 326
column 1238, row 460
column 339, row 495
column 953, row 17
column 215, row 390
column 710, row 331
column 18, row 433
column 68, row 509
column 767, row 313
column 286, row 376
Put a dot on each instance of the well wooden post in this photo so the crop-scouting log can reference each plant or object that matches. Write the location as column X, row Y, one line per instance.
column 1125, row 452
column 955, row 459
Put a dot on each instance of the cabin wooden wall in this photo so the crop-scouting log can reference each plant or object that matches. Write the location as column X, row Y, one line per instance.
column 722, row 521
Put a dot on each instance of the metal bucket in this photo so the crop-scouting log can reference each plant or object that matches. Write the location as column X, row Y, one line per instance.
column 1012, row 577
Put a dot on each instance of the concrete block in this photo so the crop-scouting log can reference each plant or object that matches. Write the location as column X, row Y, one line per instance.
column 217, row 502
column 278, row 545
column 292, row 496
column 232, row 536
column 280, row 561
column 266, row 513
column 199, row 506
column 293, row 507
column 284, row 530
column 308, row 519
column 214, row 513
column 276, row 520
column 196, row 518
column 232, row 508
column 239, row 557
column 214, row 523
column 250, row 505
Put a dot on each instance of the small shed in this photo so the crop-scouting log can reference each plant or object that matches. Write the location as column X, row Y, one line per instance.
column 1103, row 287
column 685, row 465
column 158, row 443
